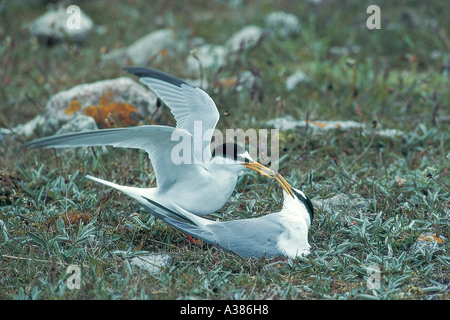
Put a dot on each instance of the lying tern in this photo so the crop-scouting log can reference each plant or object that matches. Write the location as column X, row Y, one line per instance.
column 283, row 233
column 200, row 185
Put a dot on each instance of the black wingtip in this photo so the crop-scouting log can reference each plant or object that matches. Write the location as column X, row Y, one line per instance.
column 142, row 72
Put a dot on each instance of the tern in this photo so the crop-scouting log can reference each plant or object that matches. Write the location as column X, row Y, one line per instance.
column 283, row 233
column 201, row 183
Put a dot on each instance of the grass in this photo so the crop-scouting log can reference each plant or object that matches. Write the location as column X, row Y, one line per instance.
column 399, row 76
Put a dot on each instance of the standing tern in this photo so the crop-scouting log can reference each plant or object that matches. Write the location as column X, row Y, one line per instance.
column 283, row 233
column 200, row 185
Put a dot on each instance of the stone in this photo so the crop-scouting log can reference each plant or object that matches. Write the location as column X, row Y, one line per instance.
column 340, row 202
column 282, row 23
column 151, row 47
column 58, row 24
column 428, row 242
column 294, row 79
column 289, row 123
column 65, row 105
column 152, row 263
column 247, row 37
column 126, row 100
column 209, row 56
column 78, row 124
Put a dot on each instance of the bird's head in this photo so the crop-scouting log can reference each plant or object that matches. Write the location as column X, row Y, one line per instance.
column 232, row 153
column 299, row 197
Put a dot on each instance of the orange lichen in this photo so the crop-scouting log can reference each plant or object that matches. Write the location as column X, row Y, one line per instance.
column 73, row 107
column 430, row 237
column 318, row 124
column 164, row 53
column 108, row 112
column 227, row 82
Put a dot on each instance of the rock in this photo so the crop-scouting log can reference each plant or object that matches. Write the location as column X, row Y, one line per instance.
column 247, row 37
column 78, row 124
column 26, row 129
column 209, row 56
column 124, row 95
column 289, row 123
column 122, row 99
column 428, row 241
column 295, row 78
column 340, row 202
column 62, row 23
column 151, row 47
column 153, row 263
column 282, row 23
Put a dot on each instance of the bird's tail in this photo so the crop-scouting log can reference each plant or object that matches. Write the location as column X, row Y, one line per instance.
column 175, row 216
column 135, row 193
column 183, row 220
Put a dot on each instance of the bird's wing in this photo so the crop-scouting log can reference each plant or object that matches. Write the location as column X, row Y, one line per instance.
column 193, row 109
column 255, row 237
column 158, row 141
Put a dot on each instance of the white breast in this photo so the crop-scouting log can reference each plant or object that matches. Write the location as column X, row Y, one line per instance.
column 294, row 240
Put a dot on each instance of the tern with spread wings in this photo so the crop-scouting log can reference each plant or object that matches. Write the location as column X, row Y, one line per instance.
column 200, row 185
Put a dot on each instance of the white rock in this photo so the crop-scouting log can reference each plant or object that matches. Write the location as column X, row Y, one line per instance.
column 294, row 79
column 282, row 23
column 348, row 202
column 78, row 124
column 210, row 56
column 153, row 263
column 247, row 36
column 150, row 46
column 59, row 24
column 123, row 90
column 289, row 123
column 25, row 129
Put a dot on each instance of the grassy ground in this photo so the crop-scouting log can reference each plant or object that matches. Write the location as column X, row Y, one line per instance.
column 397, row 76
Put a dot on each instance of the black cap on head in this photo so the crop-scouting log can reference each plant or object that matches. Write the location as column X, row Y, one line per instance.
column 230, row 150
column 306, row 201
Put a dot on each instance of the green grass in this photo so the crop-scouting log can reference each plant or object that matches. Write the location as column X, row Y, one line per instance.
column 396, row 78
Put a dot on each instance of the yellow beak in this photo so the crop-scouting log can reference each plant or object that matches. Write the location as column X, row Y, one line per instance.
column 271, row 174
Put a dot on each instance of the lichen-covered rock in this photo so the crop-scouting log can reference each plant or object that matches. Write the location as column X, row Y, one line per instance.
column 117, row 102
column 121, row 99
column 428, row 241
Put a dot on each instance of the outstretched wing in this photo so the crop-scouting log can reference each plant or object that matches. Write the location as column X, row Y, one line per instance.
column 193, row 109
column 157, row 141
